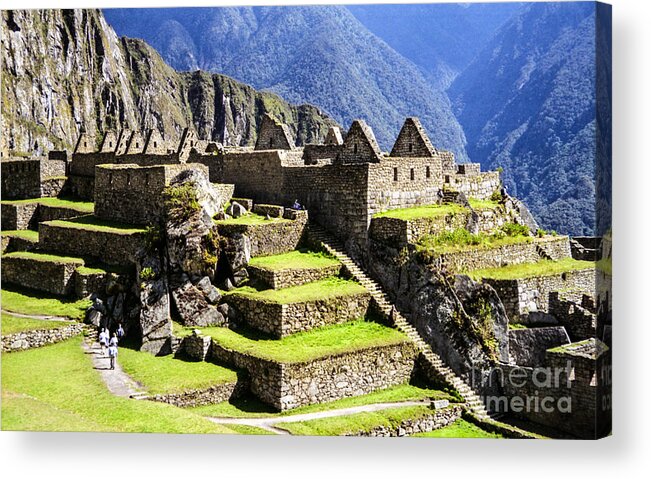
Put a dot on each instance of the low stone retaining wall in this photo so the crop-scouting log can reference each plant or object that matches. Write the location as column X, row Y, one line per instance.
column 18, row 216
column 497, row 427
column 16, row 243
column 82, row 186
column 289, row 385
column 201, row 397
column 111, row 248
column 292, row 277
column 524, row 295
column 409, row 427
column 274, row 211
column 272, row 238
column 49, row 213
column 48, row 276
column 579, row 322
column 51, row 187
column 37, row 338
column 280, row 320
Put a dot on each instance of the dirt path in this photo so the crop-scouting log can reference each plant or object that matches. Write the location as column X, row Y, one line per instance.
column 39, row 317
column 117, row 381
column 272, row 424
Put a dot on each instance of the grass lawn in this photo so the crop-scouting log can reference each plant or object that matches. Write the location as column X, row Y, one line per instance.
column 355, row 423
column 22, row 301
column 460, row 428
column 14, row 324
column 250, row 430
column 529, row 270
column 483, row 205
column 28, row 235
column 251, row 219
column 316, row 290
column 294, row 260
column 251, row 407
column 419, row 212
column 72, row 203
column 462, row 240
column 91, row 223
column 49, row 258
column 306, row 346
column 165, row 374
column 517, row 326
column 55, row 388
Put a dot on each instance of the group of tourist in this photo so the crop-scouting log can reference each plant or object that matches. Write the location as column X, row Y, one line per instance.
column 109, row 343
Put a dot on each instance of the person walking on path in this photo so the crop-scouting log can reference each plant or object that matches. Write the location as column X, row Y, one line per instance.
column 113, row 341
column 113, row 353
column 103, row 340
column 120, row 332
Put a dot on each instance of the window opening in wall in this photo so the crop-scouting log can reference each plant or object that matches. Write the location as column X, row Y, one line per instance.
column 427, row 172
column 154, row 144
column 271, row 142
column 411, row 174
column 110, row 144
column 137, row 145
column 355, row 148
column 85, row 144
column 395, row 174
column 411, row 147
column 447, row 178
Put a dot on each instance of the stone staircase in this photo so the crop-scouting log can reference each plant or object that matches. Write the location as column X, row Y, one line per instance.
column 383, row 302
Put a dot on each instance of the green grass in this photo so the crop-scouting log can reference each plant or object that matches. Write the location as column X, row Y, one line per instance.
column 530, row 270
column 310, row 345
column 460, row 428
column 316, row 290
column 166, row 375
column 294, row 260
column 21, row 301
column 249, row 430
column 251, row 219
column 50, row 258
column 419, row 212
column 462, row 240
column 55, row 388
column 517, row 326
column 483, row 205
column 22, row 234
column 605, row 265
column 251, row 407
column 14, row 324
column 75, row 204
column 91, row 223
column 355, row 423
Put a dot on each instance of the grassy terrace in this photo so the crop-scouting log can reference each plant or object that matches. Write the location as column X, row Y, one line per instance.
column 316, row 290
column 294, row 260
column 19, row 300
column 251, row 407
column 251, row 219
column 310, row 345
column 460, row 428
column 361, row 422
column 22, row 234
column 462, row 240
column 55, row 388
column 14, row 324
column 74, row 204
column 436, row 211
column 91, row 223
column 165, row 375
column 49, row 258
column 530, row 270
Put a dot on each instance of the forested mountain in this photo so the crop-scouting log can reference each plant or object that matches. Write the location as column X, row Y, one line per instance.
column 317, row 54
column 527, row 104
column 63, row 70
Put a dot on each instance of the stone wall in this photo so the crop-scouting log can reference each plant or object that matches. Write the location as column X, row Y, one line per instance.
column 20, row 179
column 579, row 322
column 524, row 295
column 480, row 186
column 51, row 168
column 111, row 248
column 528, row 346
column 16, row 243
column 49, row 276
column 201, row 397
column 19, row 216
column 37, row 338
column 134, row 194
column 82, row 187
column 287, row 386
column 430, row 422
column 280, row 320
column 291, row 277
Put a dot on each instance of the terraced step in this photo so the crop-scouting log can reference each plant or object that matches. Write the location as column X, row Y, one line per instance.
column 332, row 245
column 19, row 240
column 50, row 273
column 292, row 269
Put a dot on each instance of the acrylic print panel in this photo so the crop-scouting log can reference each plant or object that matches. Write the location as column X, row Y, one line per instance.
column 368, row 220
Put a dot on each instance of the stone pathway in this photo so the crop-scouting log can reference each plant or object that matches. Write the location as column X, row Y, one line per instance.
column 272, row 423
column 117, row 381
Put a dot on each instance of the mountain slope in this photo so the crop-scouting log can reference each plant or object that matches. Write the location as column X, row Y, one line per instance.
column 316, row 54
column 440, row 38
column 527, row 104
column 64, row 70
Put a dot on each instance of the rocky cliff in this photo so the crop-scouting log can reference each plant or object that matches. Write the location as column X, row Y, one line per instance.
column 64, row 70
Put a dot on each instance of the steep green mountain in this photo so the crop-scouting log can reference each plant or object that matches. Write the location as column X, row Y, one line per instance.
column 64, row 70
column 440, row 38
column 316, row 54
column 527, row 103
